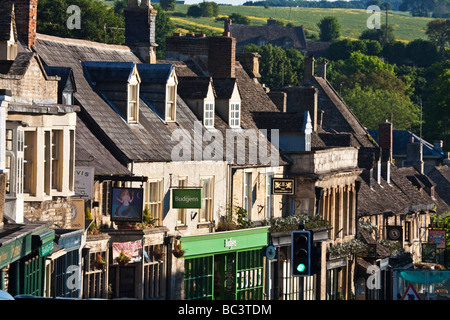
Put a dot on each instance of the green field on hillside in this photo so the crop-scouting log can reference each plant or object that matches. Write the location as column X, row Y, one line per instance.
column 353, row 21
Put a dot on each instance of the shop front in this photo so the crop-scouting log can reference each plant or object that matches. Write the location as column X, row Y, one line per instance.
column 23, row 249
column 225, row 265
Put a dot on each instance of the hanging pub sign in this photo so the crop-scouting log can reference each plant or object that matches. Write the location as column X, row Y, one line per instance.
column 429, row 252
column 437, row 237
column 187, row 198
column 283, row 186
column 126, row 204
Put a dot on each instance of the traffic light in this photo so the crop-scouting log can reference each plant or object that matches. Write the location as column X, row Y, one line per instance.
column 301, row 252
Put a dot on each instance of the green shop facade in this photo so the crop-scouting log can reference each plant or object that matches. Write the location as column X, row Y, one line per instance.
column 23, row 249
column 225, row 265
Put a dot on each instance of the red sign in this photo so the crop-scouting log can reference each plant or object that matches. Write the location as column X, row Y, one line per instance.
column 410, row 294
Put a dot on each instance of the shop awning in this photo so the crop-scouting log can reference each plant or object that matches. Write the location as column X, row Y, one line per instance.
column 424, row 276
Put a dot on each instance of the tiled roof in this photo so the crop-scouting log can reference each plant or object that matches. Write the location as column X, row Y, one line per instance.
column 398, row 197
column 150, row 139
column 440, row 175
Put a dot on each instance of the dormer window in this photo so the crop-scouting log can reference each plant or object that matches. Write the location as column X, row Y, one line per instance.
column 67, row 97
column 171, row 101
column 208, row 115
column 133, row 103
column 235, row 115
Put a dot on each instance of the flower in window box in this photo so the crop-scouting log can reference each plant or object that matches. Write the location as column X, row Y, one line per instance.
column 122, row 259
column 99, row 262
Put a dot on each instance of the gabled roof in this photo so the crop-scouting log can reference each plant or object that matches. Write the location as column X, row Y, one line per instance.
column 272, row 34
column 107, row 71
column 194, row 87
column 155, row 73
column 224, row 87
column 64, row 73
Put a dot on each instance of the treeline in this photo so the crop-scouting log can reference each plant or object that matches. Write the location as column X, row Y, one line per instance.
column 352, row 4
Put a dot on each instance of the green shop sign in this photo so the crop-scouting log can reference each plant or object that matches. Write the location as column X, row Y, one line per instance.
column 222, row 242
column 186, row 198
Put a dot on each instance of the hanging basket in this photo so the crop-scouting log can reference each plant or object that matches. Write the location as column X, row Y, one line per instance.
column 158, row 254
column 177, row 251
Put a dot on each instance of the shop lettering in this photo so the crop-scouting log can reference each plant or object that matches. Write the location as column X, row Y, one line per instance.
column 187, row 310
column 229, row 243
column 186, row 199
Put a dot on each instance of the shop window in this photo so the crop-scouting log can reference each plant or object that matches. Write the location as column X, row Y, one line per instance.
column 198, row 278
column 250, row 275
column 61, row 276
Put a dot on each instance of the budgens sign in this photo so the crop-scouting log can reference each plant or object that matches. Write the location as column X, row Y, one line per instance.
column 186, row 198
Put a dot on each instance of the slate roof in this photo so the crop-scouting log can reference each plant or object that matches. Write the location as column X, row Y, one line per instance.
column 400, row 140
column 440, row 175
column 338, row 117
column 283, row 121
column 194, row 87
column 398, row 197
column 150, row 139
column 276, row 35
column 90, row 152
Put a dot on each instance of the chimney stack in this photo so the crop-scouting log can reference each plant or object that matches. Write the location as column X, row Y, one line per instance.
column 385, row 140
column 140, row 30
column 250, row 62
column 308, row 72
column 26, row 19
column 222, row 57
column 279, row 98
column 301, row 99
column 414, row 155
column 322, row 70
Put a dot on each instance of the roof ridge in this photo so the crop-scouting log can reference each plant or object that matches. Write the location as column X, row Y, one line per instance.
column 80, row 42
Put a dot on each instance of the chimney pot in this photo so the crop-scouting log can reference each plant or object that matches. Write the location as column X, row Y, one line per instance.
column 226, row 34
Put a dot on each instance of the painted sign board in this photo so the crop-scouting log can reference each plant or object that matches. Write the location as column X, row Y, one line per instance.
column 187, row 198
column 84, row 182
column 410, row 294
column 126, row 204
column 283, row 186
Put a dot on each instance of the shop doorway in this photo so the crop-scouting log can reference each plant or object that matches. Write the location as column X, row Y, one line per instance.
column 225, row 276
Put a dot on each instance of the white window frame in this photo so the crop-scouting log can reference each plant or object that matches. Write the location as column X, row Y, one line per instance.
column 235, row 121
column 247, row 192
column 133, row 103
column 29, row 162
column 269, row 195
column 171, row 102
column 206, row 213
column 154, row 201
column 181, row 218
column 208, row 114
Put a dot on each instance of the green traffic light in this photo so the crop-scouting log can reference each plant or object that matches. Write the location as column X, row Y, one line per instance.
column 301, row 267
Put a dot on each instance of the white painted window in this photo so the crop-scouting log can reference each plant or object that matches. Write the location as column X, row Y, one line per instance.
column 206, row 213
column 208, row 115
column 171, row 102
column 235, row 115
column 133, row 103
column 153, row 199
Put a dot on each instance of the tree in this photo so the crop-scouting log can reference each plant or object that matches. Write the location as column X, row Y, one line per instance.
column 238, row 18
column 164, row 28
column 95, row 15
column 422, row 52
column 394, row 52
column 330, row 28
column 438, row 31
column 167, row 5
column 278, row 67
column 204, row 9
column 381, row 35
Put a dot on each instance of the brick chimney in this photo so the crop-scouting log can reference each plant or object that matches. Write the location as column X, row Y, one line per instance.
column 26, row 19
column 140, row 30
column 222, row 57
column 322, row 69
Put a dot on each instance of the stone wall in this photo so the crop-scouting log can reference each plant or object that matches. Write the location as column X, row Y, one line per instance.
column 59, row 211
